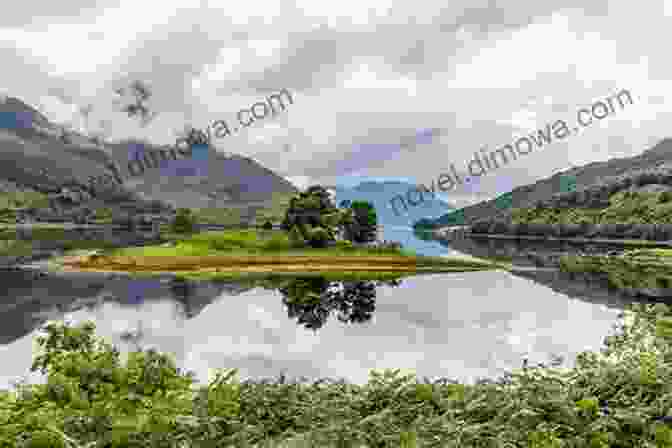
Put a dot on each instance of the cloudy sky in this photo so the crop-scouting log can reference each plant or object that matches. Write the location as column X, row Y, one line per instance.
column 364, row 76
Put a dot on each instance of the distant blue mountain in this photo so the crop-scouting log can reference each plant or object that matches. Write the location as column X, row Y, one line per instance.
column 381, row 193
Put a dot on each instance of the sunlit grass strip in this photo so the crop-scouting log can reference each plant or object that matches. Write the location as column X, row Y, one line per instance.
column 305, row 263
column 332, row 276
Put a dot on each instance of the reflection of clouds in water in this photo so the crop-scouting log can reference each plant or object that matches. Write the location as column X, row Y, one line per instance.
column 264, row 317
column 540, row 339
column 462, row 325
column 152, row 325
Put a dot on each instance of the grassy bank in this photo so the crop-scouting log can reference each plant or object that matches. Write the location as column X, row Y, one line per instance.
column 12, row 202
column 10, row 245
column 634, row 269
column 619, row 397
column 256, row 252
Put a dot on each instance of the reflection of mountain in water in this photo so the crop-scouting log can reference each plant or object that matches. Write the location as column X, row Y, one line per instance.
column 586, row 287
column 313, row 299
column 33, row 297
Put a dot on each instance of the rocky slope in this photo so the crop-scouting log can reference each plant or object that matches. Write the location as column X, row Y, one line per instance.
column 42, row 158
column 595, row 183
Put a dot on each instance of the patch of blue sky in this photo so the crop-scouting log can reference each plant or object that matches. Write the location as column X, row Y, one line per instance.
column 16, row 120
column 352, row 180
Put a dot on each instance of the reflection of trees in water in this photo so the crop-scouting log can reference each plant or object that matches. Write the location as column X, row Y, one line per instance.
column 313, row 299
column 183, row 292
column 356, row 302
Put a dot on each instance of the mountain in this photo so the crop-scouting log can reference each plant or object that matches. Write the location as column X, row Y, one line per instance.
column 41, row 157
column 657, row 158
column 379, row 194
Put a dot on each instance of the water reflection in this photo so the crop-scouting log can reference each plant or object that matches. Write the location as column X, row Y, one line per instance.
column 313, row 299
column 264, row 327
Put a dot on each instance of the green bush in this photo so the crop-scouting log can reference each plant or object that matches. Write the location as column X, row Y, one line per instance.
column 665, row 196
column 319, row 237
column 278, row 242
column 183, row 222
column 617, row 397
column 344, row 245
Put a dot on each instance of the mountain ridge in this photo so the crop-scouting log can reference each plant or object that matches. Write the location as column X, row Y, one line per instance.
column 43, row 158
column 657, row 157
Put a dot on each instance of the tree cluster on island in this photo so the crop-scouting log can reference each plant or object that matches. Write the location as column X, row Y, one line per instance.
column 312, row 219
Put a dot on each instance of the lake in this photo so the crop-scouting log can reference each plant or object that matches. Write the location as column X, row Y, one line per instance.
column 459, row 325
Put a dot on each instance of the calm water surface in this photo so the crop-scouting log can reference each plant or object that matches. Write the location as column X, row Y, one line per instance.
column 462, row 326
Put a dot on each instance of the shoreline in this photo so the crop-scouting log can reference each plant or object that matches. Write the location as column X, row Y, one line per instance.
column 441, row 235
column 283, row 264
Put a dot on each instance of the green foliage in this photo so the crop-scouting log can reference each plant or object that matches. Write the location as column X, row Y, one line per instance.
column 362, row 228
column 184, row 221
column 634, row 269
column 319, row 237
column 278, row 242
column 665, row 196
column 23, row 200
column 308, row 211
column 344, row 245
column 614, row 398
column 103, row 214
column 296, row 237
column 625, row 207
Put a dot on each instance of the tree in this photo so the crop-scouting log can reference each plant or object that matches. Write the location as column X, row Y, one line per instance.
column 313, row 299
column 364, row 227
column 308, row 211
column 184, row 221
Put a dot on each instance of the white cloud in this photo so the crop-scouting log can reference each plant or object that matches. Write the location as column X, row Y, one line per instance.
column 300, row 182
column 359, row 73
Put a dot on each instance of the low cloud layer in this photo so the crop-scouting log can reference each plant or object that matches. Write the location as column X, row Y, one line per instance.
column 363, row 77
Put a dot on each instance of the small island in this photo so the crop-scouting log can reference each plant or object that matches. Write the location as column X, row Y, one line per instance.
column 314, row 238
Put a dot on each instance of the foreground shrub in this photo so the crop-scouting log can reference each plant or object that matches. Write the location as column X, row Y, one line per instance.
column 619, row 397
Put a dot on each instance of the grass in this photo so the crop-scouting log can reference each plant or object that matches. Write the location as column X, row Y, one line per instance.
column 11, row 202
column 226, row 254
column 614, row 398
column 25, row 199
column 634, row 269
column 15, row 248
column 10, row 245
column 273, row 211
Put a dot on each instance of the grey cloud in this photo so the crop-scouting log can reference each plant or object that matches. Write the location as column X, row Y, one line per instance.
column 26, row 13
